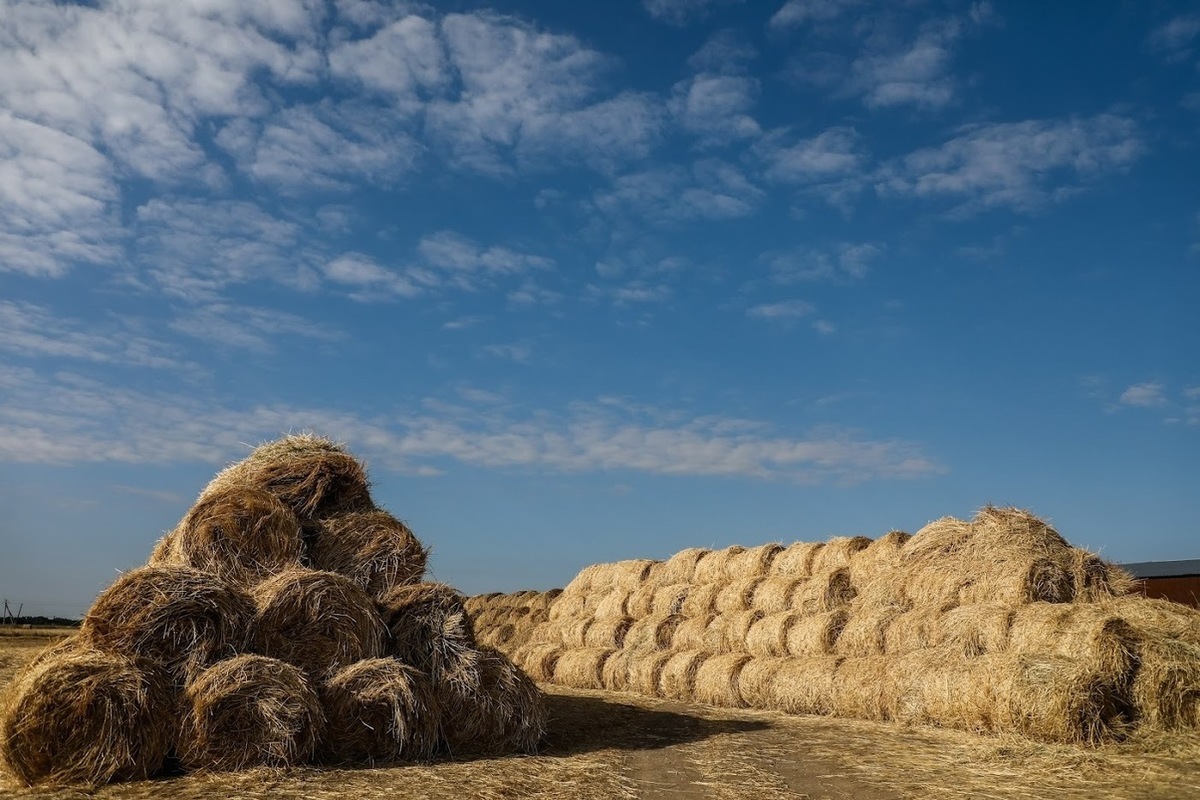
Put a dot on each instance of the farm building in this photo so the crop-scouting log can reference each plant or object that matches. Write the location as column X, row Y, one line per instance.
column 1168, row 580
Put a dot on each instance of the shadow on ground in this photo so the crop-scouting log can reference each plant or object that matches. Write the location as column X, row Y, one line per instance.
column 580, row 725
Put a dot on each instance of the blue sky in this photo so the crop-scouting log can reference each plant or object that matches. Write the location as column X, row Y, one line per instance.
column 589, row 281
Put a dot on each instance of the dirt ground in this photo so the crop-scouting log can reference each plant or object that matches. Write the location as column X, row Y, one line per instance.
column 605, row 745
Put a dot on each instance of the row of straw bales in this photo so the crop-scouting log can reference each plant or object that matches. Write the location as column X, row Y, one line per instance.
column 996, row 624
column 284, row 621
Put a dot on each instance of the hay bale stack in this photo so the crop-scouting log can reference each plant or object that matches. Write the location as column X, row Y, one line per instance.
column 371, row 548
column 815, row 635
column 83, row 716
column 803, row 685
column 775, row 594
column 1166, row 685
column 250, row 711
column 178, row 617
column 978, row 629
column 796, row 560
column 538, row 659
column 379, row 711
column 824, row 592
column 701, row 600
column 865, row 631
column 881, row 555
column 239, row 533
column 318, row 621
column 668, row 599
column 737, row 595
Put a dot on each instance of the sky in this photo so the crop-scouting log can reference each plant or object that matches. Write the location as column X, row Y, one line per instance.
column 589, row 281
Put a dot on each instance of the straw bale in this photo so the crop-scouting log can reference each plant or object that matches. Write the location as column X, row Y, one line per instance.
column 645, row 671
column 319, row 621
column 727, row 632
column 714, row 566
column 1082, row 632
column 179, row 617
column 718, row 680
column 570, row 605
column 670, row 599
column 1096, row 579
column 838, row 552
column 162, row 554
column 313, row 476
column 569, row 633
column 239, row 533
column 774, row 594
column 582, row 668
column 804, row 685
column 379, row 711
column 865, row 632
column 538, row 659
column 865, row 688
column 753, row 562
column 678, row 678
column 250, row 711
column 880, row 557
column 641, row 600
column 590, row 577
column 82, row 716
column 825, row 591
column 656, row 632
column 690, row 632
column 681, row 567
column 1157, row 617
column 796, row 560
column 500, row 635
column 1166, row 685
column 613, row 605
column 1041, row 579
column 492, row 709
column 702, row 599
column 601, row 578
column 935, row 688
column 737, row 595
column 768, row 635
column 938, row 540
column 608, row 633
column 915, row 629
column 756, row 682
column 977, row 629
column 614, row 675
column 1059, row 699
column 371, row 548
column 430, row 629
column 815, row 635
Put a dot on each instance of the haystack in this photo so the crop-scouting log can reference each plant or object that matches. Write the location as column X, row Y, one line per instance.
column 250, row 711
column 319, row 621
column 379, row 711
column 84, row 716
column 179, row 617
column 497, row 710
column 430, row 629
column 371, row 548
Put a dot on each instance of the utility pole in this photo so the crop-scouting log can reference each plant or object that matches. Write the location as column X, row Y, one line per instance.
column 7, row 614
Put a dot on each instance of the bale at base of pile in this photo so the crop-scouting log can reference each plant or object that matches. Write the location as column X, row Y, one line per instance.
column 319, row 621
column 803, row 685
column 430, row 629
column 239, row 533
column 1166, row 686
column 582, row 668
column 179, row 617
column 88, row 717
column 677, row 681
column 250, row 711
column 371, row 548
column 379, row 711
column 502, row 711
column 718, row 680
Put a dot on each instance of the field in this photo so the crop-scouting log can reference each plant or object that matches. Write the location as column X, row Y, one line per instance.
column 609, row 745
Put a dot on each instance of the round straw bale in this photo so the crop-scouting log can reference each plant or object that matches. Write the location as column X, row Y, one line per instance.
column 881, row 556
column 756, row 682
column 713, row 567
column 865, row 688
column 582, row 668
column 690, row 632
column 319, row 621
column 737, row 595
column 82, row 716
column 681, row 567
column 1102, row 641
column 1097, row 579
column 805, row 685
column 817, row 634
column 313, row 476
column 774, row 594
column 941, row 538
column 977, row 629
column 678, row 678
column 601, row 578
column 1166, row 686
column 825, row 591
column 239, row 533
column 608, row 633
column 702, row 599
column 538, row 659
column 670, row 599
column 727, row 632
column 568, row 606
column 613, row 605
column 645, row 671
column 379, row 711
column 250, row 711
column 163, row 552
column 655, row 632
column 614, row 675
column 718, row 680
column 1058, row 699
column 641, row 600
column 179, row 617
column 768, row 636
column 936, row 688
column 796, row 560
column 1020, row 581
column 838, row 552
column 570, row 633
column 495, row 709
column 496, row 635
column 753, row 562
column 916, row 629
column 1154, row 617
column 865, row 631
column 371, row 548
column 430, row 629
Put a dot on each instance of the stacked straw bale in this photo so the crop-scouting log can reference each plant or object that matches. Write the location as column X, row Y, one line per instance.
column 284, row 621
column 995, row 624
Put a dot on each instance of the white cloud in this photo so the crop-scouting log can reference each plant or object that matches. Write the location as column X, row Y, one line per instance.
column 369, row 280
column 1174, row 39
column 712, row 189
column 713, row 106
column 917, row 74
column 783, row 310
column 824, row 327
column 1144, row 395
column 456, row 253
column 517, row 352
column 680, row 12
column 1021, row 165
column 247, row 327
column 403, row 60
column 795, row 13
column 844, row 261
column 35, row 331
column 832, row 154
column 530, row 294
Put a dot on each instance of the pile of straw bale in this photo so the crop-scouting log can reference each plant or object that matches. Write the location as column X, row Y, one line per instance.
column 284, row 621
column 996, row 624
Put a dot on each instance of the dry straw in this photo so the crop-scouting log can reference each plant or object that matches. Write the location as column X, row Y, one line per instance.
column 656, row 632
column 977, row 629
column 1166, row 686
column 645, row 671
column 161, row 554
column 838, row 552
column 608, row 633
column 612, row 605
column 737, row 595
column 430, row 629
column 815, row 635
column 87, row 717
column 1082, row 632
column 495, row 709
column 1161, row 618
column 916, row 629
column 178, row 617
column 774, row 594
column 312, row 475
column 824, row 592
column 714, row 567
column 767, row 637
column 756, row 682
column 239, row 533
column 702, row 600
column 881, row 556
column 371, row 548
column 690, row 632
column 570, row 605
column 379, row 711
column 319, row 621
column 753, row 562
column 582, row 668
column 670, row 599
column 864, row 688
column 796, row 560
column 718, row 680
column 250, row 711
column 1096, row 579
column 641, row 600
column 538, row 659
column 678, row 678
column 804, row 685
column 681, row 567
column 727, row 633
column 865, row 632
